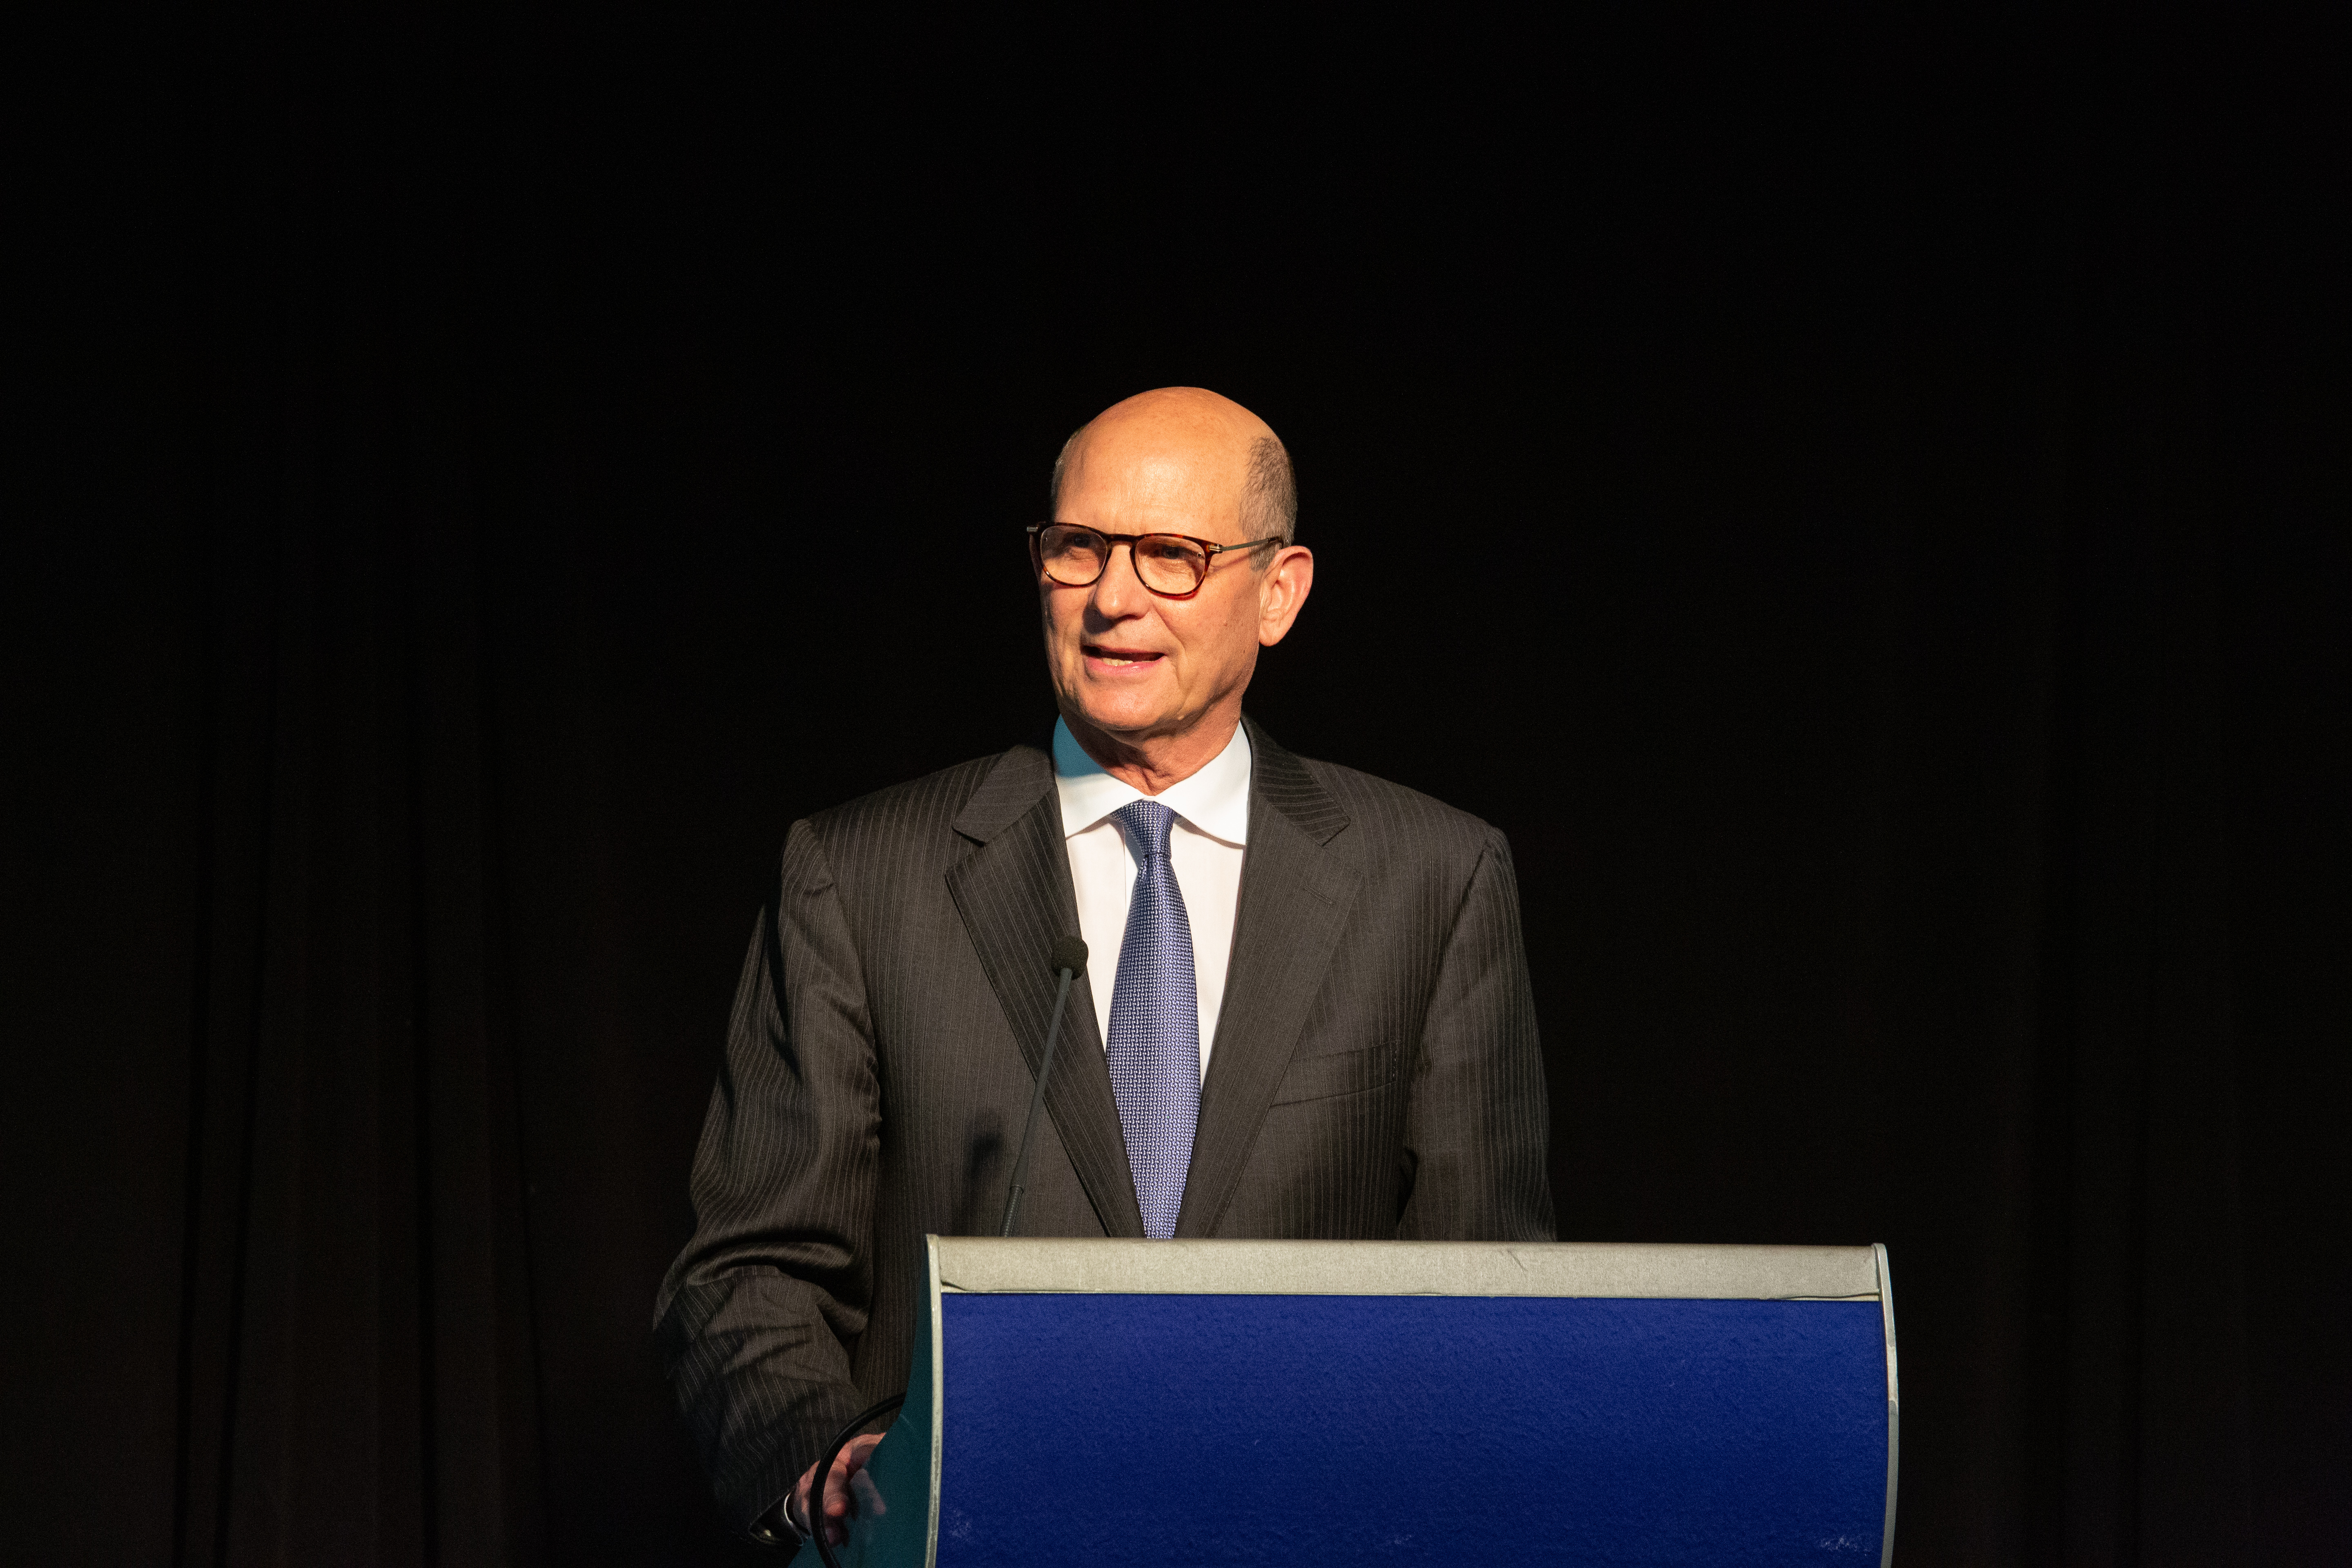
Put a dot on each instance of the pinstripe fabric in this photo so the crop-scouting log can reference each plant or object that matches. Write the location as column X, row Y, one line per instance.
column 1376, row 1074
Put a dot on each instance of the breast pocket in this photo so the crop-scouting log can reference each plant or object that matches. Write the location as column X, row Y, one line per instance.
column 1336, row 1073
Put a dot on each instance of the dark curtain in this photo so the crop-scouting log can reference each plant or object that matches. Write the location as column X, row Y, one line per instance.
column 1864, row 511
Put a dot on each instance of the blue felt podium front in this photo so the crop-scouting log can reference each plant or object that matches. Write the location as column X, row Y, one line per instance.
column 1194, row 1426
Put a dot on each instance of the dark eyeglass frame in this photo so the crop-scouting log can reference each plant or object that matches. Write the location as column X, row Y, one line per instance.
column 1113, row 541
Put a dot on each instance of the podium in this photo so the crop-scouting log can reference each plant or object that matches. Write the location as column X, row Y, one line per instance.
column 1111, row 1403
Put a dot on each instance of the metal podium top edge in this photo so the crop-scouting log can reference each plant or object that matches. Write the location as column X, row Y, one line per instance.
column 1020, row 1265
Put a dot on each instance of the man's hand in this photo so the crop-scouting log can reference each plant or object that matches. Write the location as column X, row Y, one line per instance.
column 845, row 1464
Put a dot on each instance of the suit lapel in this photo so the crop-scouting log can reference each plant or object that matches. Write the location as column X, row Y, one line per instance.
column 1296, row 887
column 1013, row 894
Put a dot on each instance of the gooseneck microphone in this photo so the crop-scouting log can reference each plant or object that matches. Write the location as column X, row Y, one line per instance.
column 1070, row 958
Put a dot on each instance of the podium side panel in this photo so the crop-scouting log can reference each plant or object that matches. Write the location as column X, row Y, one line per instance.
column 1893, row 1401
column 897, row 1521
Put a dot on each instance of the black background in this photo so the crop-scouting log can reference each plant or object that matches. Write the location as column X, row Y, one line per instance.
column 1862, row 510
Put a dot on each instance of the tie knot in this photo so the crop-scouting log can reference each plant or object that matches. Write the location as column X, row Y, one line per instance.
column 1147, row 823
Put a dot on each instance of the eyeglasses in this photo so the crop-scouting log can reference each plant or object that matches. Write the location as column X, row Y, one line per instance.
column 1173, row 565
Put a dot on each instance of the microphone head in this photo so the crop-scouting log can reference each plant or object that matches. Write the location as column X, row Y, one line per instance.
column 1070, row 953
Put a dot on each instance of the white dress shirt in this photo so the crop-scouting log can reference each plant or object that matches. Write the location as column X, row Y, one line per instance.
column 1205, row 849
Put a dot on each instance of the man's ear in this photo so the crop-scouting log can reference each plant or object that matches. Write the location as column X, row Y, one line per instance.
column 1288, row 579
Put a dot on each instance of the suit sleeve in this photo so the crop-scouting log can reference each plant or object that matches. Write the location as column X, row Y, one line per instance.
column 756, row 1315
column 1477, row 1122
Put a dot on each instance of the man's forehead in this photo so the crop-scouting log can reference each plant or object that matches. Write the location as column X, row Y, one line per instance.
column 1142, row 467
column 1146, row 497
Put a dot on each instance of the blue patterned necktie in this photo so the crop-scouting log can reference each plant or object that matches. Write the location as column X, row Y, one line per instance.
column 1155, row 1025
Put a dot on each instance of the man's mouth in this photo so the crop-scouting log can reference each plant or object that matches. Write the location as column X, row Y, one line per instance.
column 1121, row 657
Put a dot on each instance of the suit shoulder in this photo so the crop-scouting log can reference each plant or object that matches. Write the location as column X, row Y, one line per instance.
column 918, row 809
column 1396, row 817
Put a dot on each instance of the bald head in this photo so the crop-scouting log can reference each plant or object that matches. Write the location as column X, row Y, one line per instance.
column 1226, row 448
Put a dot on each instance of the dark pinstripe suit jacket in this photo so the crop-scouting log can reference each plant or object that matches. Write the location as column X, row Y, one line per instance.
column 1375, row 1074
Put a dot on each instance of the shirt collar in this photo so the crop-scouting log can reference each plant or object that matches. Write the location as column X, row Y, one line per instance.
column 1215, row 800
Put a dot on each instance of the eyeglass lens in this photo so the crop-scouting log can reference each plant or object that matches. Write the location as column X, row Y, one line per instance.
column 1167, row 562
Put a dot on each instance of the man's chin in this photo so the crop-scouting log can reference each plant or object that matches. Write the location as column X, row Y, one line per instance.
column 1126, row 722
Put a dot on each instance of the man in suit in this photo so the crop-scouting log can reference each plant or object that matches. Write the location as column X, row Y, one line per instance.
column 1306, row 1012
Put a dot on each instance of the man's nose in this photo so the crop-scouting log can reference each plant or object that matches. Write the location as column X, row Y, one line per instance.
column 1118, row 591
